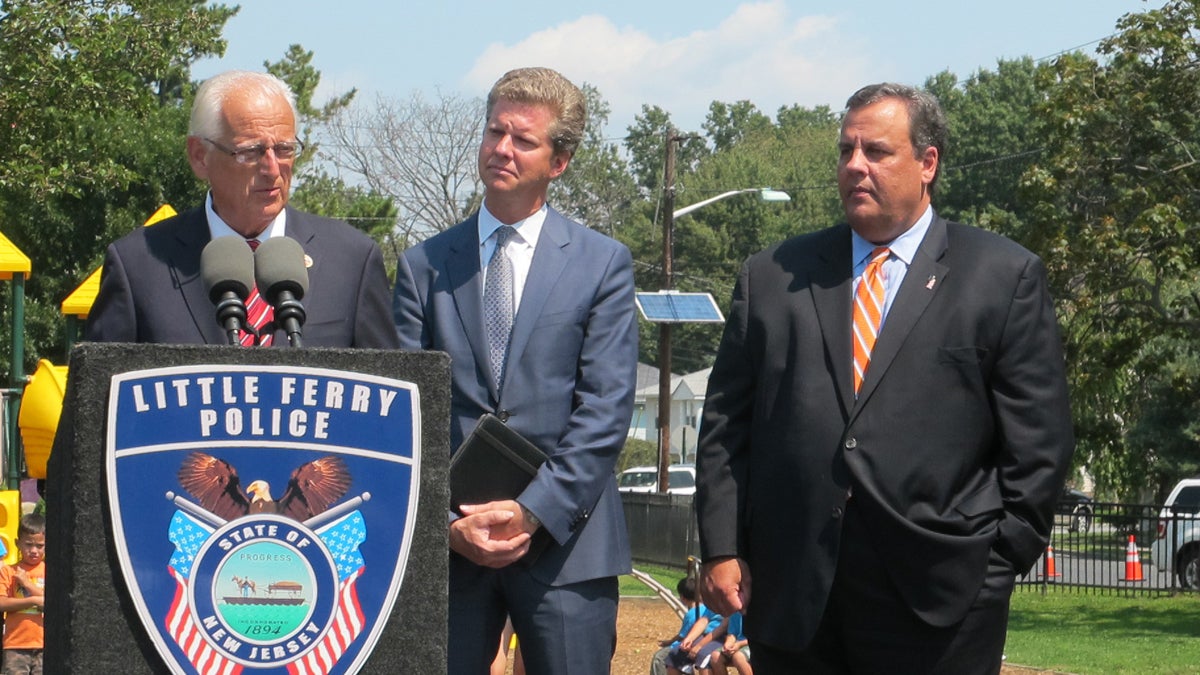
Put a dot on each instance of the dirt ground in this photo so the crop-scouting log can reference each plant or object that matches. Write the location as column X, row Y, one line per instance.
column 642, row 622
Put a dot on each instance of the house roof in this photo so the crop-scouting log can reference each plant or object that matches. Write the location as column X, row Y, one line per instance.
column 693, row 385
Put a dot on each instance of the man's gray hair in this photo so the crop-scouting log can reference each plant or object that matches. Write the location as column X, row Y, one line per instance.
column 927, row 126
column 207, row 120
column 546, row 87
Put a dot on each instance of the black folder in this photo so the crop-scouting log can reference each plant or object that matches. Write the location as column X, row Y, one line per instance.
column 492, row 464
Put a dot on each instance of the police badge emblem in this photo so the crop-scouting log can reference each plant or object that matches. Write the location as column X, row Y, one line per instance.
column 230, row 574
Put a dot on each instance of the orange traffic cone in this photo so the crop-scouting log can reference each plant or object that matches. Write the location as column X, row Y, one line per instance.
column 1133, row 563
column 1050, row 570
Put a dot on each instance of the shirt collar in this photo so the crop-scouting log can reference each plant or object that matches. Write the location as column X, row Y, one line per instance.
column 528, row 230
column 219, row 228
column 903, row 247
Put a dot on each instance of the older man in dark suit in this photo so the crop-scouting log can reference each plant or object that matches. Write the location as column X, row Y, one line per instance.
column 242, row 142
column 887, row 425
column 537, row 314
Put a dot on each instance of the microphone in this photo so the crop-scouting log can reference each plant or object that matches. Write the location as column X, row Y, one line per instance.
column 227, row 271
column 283, row 281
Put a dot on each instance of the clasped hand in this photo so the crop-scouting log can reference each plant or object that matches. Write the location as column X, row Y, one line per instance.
column 494, row 534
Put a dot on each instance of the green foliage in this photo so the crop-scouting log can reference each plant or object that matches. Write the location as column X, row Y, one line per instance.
column 92, row 116
column 796, row 153
column 637, row 453
column 365, row 209
column 297, row 70
column 646, row 145
column 994, row 138
column 597, row 188
column 1115, row 215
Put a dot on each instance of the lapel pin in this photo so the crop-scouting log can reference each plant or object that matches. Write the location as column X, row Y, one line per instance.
column 930, row 282
column 308, row 261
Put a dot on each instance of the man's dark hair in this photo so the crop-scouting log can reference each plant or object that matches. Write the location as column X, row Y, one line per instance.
column 33, row 523
column 686, row 588
column 927, row 126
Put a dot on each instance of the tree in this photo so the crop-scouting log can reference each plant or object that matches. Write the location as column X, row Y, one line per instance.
column 796, row 153
column 422, row 154
column 67, row 64
column 995, row 136
column 1117, row 219
column 728, row 123
column 297, row 71
column 372, row 213
column 597, row 188
column 92, row 114
column 645, row 144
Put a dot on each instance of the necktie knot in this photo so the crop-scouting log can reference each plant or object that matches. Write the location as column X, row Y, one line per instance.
column 253, row 244
column 503, row 234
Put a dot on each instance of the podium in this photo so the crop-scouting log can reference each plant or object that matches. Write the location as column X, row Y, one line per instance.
column 216, row 509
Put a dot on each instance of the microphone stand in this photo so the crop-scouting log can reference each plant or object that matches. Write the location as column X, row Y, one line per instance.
column 291, row 314
column 232, row 313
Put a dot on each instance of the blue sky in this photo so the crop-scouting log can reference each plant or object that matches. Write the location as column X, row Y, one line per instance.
column 679, row 55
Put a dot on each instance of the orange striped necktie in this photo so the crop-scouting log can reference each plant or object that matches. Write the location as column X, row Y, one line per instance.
column 258, row 314
column 868, row 313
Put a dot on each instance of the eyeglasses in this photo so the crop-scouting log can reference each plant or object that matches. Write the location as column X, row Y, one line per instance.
column 254, row 154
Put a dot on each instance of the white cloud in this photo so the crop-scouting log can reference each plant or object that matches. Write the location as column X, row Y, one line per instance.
column 761, row 52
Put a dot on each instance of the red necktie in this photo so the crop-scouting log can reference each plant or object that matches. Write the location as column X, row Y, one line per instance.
column 258, row 313
column 868, row 312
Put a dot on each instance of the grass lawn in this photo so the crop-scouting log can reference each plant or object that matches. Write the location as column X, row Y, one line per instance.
column 1101, row 634
column 1076, row 632
column 665, row 576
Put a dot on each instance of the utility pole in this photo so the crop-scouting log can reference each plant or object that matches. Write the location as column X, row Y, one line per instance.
column 664, row 329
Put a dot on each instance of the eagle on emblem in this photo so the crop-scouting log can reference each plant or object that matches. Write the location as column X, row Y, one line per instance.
column 312, row 488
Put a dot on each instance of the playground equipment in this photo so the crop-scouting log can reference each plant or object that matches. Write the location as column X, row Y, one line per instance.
column 33, row 405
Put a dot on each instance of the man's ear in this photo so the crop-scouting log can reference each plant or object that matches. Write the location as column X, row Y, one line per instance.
column 929, row 165
column 197, row 154
column 558, row 163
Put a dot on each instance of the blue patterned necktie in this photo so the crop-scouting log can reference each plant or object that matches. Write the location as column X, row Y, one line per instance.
column 498, row 304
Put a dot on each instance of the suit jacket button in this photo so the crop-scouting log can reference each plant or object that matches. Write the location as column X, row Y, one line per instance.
column 503, row 416
column 851, row 443
column 837, row 512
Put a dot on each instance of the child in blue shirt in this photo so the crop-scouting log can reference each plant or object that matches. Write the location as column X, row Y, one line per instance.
column 697, row 623
column 728, row 648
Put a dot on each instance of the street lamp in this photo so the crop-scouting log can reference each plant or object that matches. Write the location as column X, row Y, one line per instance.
column 664, row 329
column 766, row 194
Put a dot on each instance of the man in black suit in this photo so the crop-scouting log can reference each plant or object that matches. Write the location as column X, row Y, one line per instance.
column 242, row 142
column 882, row 495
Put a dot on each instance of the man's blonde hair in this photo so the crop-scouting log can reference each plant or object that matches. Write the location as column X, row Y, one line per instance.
column 547, row 87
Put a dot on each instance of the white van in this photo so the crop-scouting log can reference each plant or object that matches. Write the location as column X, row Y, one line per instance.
column 1177, row 549
column 681, row 479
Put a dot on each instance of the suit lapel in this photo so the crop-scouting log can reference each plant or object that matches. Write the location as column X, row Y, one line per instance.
column 301, row 229
column 549, row 259
column 462, row 268
column 832, row 280
column 922, row 281
column 190, row 240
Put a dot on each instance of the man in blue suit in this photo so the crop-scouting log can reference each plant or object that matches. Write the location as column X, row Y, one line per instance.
column 563, row 377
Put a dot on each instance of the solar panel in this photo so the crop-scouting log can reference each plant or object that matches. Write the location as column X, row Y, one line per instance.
column 673, row 307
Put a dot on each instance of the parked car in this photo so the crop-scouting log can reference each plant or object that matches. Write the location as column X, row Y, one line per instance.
column 1078, row 509
column 681, row 479
column 1177, row 548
